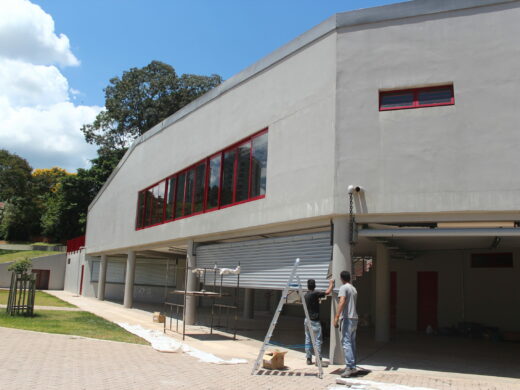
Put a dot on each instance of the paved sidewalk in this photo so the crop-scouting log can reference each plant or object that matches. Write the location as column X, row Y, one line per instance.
column 187, row 371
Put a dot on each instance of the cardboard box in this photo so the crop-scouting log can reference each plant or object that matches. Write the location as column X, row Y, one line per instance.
column 274, row 360
column 158, row 317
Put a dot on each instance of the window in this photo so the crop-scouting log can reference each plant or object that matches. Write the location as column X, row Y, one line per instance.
column 214, row 182
column 492, row 260
column 416, row 98
column 235, row 175
column 170, row 199
column 259, row 166
column 198, row 195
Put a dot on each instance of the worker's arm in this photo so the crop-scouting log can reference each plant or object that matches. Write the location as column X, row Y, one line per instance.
column 341, row 305
column 331, row 286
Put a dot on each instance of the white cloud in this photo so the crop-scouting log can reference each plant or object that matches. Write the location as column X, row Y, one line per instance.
column 27, row 33
column 38, row 119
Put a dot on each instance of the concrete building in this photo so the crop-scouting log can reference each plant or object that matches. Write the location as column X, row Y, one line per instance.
column 384, row 136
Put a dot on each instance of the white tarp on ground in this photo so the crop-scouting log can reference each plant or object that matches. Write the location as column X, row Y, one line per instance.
column 162, row 343
column 360, row 384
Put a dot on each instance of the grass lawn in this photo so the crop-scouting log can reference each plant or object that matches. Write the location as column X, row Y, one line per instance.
column 17, row 255
column 79, row 323
column 7, row 252
column 40, row 299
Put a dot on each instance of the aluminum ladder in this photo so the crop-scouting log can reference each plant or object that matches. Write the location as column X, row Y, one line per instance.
column 290, row 286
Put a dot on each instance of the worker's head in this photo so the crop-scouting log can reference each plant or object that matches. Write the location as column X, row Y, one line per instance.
column 345, row 276
column 311, row 284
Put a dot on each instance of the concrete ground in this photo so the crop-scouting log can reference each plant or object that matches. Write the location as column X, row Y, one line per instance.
column 410, row 359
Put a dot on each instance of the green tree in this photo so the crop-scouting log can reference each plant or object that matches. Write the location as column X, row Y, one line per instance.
column 19, row 219
column 15, row 175
column 140, row 99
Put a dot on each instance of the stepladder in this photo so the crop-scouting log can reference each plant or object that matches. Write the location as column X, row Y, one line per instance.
column 293, row 284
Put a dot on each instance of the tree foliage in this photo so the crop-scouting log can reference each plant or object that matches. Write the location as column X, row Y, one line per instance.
column 15, row 175
column 141, row 98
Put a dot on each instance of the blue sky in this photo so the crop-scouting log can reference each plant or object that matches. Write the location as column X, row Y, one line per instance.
column 56, row 56
column 202, row 37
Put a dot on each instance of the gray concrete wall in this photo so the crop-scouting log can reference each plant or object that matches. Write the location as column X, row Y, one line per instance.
column 438, row 159
column 294, row 98
column 54, row 263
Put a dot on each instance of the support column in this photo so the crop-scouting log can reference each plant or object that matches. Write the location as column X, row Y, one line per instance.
column 102, row 278
column 341, row 261
column 249, row 303
column 129, row 280
column 190, row 313
column 382, row 323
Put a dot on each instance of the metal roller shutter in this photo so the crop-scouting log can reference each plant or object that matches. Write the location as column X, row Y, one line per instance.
column 267, row 263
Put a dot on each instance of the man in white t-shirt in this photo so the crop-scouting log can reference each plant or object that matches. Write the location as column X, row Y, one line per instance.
column 349, row 320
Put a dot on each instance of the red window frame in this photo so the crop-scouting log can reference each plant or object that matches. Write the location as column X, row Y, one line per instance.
column 416, row 92
column 185, row 171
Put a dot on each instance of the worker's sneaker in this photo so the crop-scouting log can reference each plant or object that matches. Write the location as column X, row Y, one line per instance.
column 309, row 361
column 349, row 372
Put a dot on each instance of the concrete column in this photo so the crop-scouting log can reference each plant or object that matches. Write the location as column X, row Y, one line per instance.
column 382, row 323
column 249, row 303
column 191, row 302
column 341, row 261
column 129, row 280
column 102, row 278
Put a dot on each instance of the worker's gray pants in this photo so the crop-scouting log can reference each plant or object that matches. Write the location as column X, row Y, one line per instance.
column 316, row 327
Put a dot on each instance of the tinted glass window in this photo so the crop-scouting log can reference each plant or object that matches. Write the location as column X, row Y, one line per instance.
column 492, row 260
column 259, row 165
column 140, row 210
column 158, row 206
column 435, row 96
column 400, row 99
column 226, row 196
column 148, row 207
column 188, row 197
column 200, row 179
column 179, row 200
column 244, row 163
column 214, row 182
column 170, row 198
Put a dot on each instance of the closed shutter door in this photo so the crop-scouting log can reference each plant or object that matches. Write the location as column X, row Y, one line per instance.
column 267, row 263
column 154, row 274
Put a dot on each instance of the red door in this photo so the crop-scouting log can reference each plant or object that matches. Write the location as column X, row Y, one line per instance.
column 42, row 278
column 393, row 300
column 81, row 280
column 427, row 296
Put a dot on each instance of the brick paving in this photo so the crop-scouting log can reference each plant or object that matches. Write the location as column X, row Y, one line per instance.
column 32, row 360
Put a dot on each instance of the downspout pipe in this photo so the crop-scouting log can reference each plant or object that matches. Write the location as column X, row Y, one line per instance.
column 441, row 232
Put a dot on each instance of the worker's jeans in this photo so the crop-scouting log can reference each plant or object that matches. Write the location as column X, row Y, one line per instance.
column 316, row 327
column 348, row 340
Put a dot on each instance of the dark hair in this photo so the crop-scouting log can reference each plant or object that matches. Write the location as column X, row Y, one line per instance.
column 345, row 276
column 311, row 284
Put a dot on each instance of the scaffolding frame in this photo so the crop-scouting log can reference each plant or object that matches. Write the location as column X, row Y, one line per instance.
column 204, row 293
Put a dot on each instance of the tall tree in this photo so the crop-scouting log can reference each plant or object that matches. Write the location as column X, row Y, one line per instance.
column 140, row 99
column 19, row 217
column 15, row 175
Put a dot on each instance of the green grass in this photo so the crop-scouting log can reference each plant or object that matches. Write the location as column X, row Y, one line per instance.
column 8, row 257
column 79, row 323
column 7, row 252
column 40, row 299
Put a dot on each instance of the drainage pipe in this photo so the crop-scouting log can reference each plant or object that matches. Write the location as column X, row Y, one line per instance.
column 441, row 232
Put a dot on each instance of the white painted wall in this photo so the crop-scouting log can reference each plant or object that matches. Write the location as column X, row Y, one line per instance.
column 452, row 158
column 294, row 98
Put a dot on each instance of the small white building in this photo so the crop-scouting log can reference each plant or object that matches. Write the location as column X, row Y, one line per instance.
column 415, row 103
